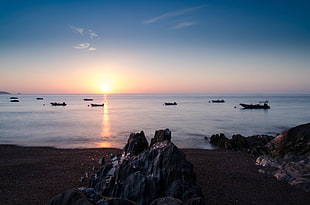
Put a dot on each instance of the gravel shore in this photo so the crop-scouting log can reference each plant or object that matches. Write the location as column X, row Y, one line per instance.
column 33, row 175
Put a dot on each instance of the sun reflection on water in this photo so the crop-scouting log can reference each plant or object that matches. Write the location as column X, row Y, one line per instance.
column 106, row 126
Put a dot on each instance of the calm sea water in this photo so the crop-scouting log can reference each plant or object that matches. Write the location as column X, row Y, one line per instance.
column 32, row 122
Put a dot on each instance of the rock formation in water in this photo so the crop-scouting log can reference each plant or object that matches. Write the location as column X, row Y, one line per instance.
column 155, row 174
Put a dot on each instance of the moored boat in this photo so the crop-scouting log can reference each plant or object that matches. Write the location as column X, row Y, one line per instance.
column 15, row 100
column 97, row 105
column 88, row 99
column 218, row 101
column 170, row 103
column 58, row 104
column 39, row 98
column 261, row 105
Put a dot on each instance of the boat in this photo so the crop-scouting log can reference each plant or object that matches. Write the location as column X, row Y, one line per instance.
column 58, row 104
column 97, row 105
column 261, row 105
column 39, row 98
column 218, row 101
column 170, row 103
column 15, row 100
column 88, row 99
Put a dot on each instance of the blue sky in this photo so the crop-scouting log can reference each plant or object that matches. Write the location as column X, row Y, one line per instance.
column 226, row 46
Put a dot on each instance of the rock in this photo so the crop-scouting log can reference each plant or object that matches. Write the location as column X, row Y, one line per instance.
column 136, row 143
column 220, row 140
column 239, row 143
column 160, row 171
column 290, row 156
column 295, row 141
column 255, row 145
column 159, row 174
column 160, row 136
column 167, row 201
column 72, row 197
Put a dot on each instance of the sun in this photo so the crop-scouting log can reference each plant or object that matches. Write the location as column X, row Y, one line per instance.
column 105, row 88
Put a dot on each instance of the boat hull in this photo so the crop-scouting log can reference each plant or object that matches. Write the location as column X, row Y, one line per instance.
column 256, row 106
column 97, row 105
column 58, row 104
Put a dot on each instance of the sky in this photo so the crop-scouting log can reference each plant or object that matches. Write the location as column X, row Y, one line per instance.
column 184, row 46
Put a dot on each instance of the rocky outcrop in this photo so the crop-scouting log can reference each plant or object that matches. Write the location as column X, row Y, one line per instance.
column 159, row 174
column 289, row 157
column 255, row 145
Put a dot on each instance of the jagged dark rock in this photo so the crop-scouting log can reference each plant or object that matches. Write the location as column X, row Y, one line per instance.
column 159, row 174
column 160, row 136
column 136, row 143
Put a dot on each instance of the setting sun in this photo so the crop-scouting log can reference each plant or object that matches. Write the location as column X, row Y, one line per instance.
column 105, row 88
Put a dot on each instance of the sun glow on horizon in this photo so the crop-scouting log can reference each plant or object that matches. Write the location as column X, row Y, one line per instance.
column 105, row 88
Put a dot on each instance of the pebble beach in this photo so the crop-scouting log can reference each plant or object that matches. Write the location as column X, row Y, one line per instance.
column 33, row 175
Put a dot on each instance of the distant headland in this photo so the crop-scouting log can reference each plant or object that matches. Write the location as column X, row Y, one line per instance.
column 4, row 92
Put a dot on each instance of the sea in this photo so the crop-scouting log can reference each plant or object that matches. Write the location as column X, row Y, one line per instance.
column 32, row 122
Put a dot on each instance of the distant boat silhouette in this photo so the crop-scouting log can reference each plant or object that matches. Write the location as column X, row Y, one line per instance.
column 97, row 105
column 39, row 98
column 218, row 101
column 58, row 104
column 261, row 105
column 88, row 99
column 15, row 100
column 170, row 103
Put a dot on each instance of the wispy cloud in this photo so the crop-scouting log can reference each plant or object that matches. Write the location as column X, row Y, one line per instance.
column 183, row 25
column 85, row 46
column 173, row 13
column 92, row 35
column 88, row 35
column 77, row 30
column 82, row 46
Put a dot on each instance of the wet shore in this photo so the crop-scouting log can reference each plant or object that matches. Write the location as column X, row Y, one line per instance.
column 33, row 175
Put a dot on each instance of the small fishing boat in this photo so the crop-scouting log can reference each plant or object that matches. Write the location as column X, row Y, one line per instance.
column 261, row 105
column 15, row 100
column 58, row 104
column 39, row 98
column 97, row 105
column 88, row 99
column 218, row 101
column 170, row 103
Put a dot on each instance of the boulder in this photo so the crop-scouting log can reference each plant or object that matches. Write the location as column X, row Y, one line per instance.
column 295, row 141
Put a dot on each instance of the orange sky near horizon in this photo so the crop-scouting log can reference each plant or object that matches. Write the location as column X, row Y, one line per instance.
column 59, row 47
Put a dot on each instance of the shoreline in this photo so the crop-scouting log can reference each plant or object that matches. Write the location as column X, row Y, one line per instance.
column 36, row 174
